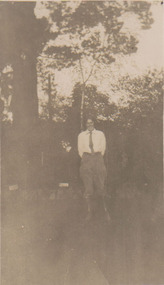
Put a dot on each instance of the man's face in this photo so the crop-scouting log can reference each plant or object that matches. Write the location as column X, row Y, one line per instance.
column 90, row 125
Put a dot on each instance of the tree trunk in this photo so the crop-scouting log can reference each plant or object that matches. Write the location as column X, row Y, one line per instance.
column 20, row 45
column 25, row 102
column 25, row 115
column 50, row 100
column 82, row 108
column 82, row 98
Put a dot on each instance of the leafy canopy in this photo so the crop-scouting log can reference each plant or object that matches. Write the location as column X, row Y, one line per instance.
column 92, row 30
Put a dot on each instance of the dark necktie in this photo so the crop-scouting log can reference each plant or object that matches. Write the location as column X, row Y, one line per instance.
column 91, row 142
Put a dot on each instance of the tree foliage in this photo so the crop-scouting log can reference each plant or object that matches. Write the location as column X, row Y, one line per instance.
column 143, row 98
column 92, row 29
column 89, row 34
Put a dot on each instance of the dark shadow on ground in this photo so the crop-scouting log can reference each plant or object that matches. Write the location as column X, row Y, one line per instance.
column 47, row 242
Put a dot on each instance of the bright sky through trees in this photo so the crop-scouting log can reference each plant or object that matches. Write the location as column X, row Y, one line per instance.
column 148, row 56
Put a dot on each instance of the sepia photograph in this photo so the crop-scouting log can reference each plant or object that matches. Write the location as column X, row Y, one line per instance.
column 81, row 112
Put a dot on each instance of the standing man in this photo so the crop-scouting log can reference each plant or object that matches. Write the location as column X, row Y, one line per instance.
column 91, row 148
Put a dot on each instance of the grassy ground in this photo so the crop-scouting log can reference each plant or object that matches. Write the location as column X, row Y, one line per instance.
column 46, row 242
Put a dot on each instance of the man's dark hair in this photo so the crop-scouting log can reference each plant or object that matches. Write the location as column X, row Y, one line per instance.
column 90, row 117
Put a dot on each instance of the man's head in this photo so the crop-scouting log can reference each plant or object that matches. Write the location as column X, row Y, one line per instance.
column 90, row 124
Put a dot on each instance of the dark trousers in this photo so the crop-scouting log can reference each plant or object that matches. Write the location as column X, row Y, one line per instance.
column 93, row 173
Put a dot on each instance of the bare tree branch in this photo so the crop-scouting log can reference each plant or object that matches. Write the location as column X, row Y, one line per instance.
column 81, row 69
column 91, row 71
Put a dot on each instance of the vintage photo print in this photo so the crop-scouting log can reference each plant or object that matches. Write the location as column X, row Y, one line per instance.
column 81, row 110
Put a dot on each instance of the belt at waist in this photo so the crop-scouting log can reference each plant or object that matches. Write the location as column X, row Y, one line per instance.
column 94, row 153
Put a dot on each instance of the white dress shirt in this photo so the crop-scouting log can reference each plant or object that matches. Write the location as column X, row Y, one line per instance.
column 98, row 139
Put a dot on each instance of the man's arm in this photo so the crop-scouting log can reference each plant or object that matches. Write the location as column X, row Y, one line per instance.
column 103, row 144
column 80, row 148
